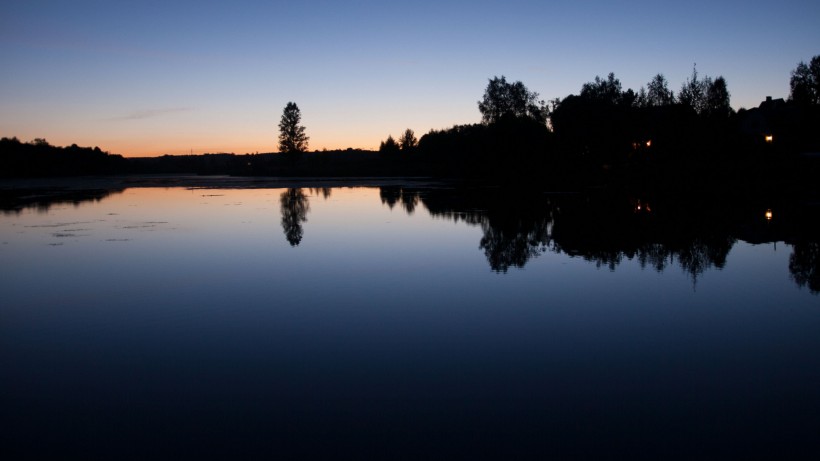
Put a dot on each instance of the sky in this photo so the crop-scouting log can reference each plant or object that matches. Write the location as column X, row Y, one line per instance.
column 146, row 78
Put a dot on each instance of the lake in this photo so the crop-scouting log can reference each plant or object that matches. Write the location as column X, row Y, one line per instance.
column 407, row 321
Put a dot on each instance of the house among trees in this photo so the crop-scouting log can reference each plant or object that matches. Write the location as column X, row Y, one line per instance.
column 761, row 123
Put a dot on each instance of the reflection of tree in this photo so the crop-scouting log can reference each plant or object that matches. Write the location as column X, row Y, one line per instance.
column 294, row 206
column 514, row 243
column 655, row 255
column 409, row 200
column 13, row 201
column 516, row 227
column 323, row 191
column 804, row 265
column 694, row 235
column 606, row 231
column 700, row 255
column 390, row 195
column 603, row 230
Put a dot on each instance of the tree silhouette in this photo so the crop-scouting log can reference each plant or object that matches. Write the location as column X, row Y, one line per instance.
column 717, row 99
column 292, row 137
column 706, row 96
column 408, row 140
column 658, row 93
column 294, row 206
column 596, row 123
column 805, row 82
column 605, row 91
column 693, row 91
column 502, row 100
column 389, row 146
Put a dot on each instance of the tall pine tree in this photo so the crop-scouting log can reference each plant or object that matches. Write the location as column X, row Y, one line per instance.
column 292, row 137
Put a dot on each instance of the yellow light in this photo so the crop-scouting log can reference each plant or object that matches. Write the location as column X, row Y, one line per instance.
column 649, row 143
column 769, row 138
column 768, row 215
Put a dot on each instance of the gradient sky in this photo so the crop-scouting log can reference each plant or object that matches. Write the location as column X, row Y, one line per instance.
column 148, row 77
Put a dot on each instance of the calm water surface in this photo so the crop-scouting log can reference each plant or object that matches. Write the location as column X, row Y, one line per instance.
column 356, row 322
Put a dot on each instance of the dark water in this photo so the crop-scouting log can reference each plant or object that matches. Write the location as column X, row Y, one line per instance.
column 407, row 323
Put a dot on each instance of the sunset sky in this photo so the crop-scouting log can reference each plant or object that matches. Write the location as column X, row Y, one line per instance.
column 154, row 77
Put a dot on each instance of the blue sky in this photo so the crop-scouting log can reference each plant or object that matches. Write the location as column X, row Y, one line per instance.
column 147, row 78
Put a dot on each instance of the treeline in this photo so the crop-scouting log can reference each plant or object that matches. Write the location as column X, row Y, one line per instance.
column 606, row 133
column 39, row 158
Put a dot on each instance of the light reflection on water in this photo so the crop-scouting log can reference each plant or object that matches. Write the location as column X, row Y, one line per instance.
column 402, row 322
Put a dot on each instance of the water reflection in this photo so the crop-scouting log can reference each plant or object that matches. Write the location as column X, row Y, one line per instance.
column 694, row 235
column 14, row 201
column 391, row 195
column 294, row 206
column 804, row 265
column 324, row 192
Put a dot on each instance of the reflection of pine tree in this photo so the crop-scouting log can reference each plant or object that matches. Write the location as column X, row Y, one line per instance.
column 294, row 206
column 804, row 265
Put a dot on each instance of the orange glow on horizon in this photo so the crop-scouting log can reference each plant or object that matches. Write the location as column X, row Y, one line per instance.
column 158, row 149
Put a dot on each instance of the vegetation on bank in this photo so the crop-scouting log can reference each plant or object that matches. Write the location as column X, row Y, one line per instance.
column 39, row 158
column 604, row 134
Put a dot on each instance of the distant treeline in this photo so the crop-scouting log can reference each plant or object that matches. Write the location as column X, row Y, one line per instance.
column 39, row 158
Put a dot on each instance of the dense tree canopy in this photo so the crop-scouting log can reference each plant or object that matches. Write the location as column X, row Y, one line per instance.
column 389, row 146
column 693, row 92
column 717, row 99
column 805, row 82
column 706, row 96
column 504, row 100
column 606, row 91
column 292, row 137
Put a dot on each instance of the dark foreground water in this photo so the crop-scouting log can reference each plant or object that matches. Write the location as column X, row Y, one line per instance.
column 407, row 323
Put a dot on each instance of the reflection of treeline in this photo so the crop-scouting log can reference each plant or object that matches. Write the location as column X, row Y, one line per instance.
column 39, row 158
column 804, row 265
column 695, row 235
column 13, row 201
